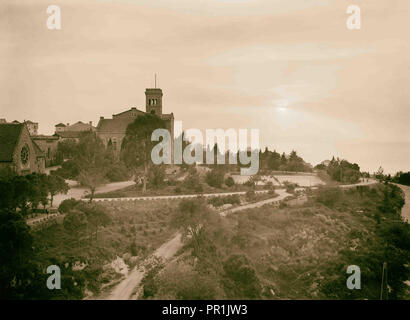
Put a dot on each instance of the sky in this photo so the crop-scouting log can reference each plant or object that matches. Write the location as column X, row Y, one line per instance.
column 291, row 69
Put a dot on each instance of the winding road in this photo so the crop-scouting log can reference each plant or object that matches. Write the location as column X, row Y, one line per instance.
column 125, row 289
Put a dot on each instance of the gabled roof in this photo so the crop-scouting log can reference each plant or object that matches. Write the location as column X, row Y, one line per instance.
column 118, row 125
column 60, row 125
column 30, row 122
column 39, row 152
column 133, row 109
column 9, row 137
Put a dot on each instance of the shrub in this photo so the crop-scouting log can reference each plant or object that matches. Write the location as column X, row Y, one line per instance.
column 74, row 221
column 229, row 182
column 250, row 195
column 242, row 278
column 68, row 205
column 156, row 175
column 220, row 201
column 192, row 182
column 133, row 249
column 117, row 172
column 69, row 170
column 215, row 178
column 329, row 196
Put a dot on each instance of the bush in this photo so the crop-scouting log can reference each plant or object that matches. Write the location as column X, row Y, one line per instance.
column 229, row 182
column 133, row 249
column 215, row 178
column 192, row 182
column 220, row 201
column 69, row 170
column 250, row 196
column 290, row 187
column 74, row 221
column 68, row 205
column 117, row 172
column 329, row 196
column 242, row 280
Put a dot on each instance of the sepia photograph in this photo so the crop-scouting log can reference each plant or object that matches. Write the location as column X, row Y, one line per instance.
column 200, row 156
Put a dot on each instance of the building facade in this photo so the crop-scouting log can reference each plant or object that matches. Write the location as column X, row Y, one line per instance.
column 112, row 131
column 18, row 151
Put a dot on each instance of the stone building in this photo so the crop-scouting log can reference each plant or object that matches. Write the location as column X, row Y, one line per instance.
column 32, row 127
column 18, row 151
column 65, row 132
column 47, row 144
column 112, row 131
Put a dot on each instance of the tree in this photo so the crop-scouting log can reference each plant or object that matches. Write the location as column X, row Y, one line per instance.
column 68, row 204
column 91, row 178
column 67, row 148
column 379, row 175
column 229, row 182
column 96, row 216
column 193, row 181
column 215, row 178
column 56, row 185
column 137, row 145
column 274, row 161
column 15, row 253
column 241, row 278
column 156, row 175
column 38, row 189
column 75, row 221
column 283, row 160
column 193, row 215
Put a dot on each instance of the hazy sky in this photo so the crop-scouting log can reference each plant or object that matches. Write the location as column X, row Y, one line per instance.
column 290, row 68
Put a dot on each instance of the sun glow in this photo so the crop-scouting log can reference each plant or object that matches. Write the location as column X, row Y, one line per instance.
column 282, row 105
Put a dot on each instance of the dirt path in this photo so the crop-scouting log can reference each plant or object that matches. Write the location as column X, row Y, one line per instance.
column 282, row 195
column 125, row 289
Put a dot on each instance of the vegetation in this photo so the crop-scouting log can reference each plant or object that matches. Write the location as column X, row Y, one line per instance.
column 294, row 252
column 220, row 201
column 274, row 161
column 400, row 177
column 215, row 178
column 89, row 161
column 341, row 171
column 137, row 145
column 20, row 275
column 24, row 194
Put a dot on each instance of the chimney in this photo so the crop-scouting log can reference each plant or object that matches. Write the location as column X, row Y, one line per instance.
column 101, row 118
column 91, row 123
column 68, row 124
